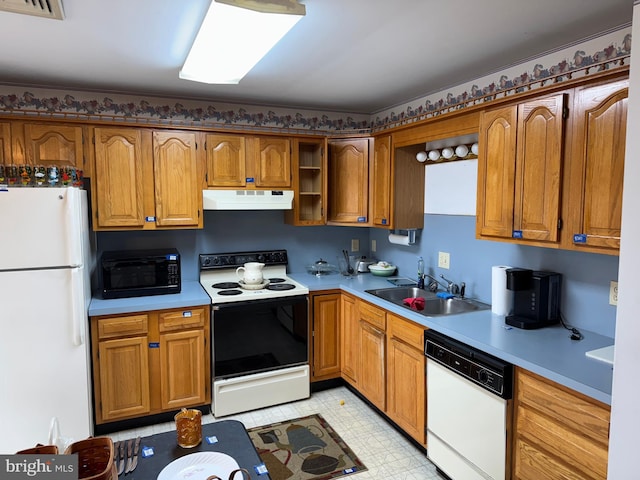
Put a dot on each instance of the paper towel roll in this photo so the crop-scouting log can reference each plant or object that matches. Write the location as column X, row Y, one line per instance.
column 501, row 298
column 398, row 239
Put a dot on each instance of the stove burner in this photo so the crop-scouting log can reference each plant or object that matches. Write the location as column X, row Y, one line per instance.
column 280, row 286
column 230, row 292
column 276, row 280
column 225, row 285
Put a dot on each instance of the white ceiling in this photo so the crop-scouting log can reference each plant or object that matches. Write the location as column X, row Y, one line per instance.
column 358, row 56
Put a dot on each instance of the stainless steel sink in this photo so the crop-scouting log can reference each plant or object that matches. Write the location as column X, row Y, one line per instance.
column 433, row 305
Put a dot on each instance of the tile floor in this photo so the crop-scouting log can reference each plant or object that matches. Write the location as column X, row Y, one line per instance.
column 385, row 452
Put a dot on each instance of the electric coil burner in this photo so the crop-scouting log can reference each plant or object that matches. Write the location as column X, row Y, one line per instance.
column 259, row 332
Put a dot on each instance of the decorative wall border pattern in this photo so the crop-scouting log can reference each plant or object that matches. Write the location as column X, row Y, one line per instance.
column 229, row 117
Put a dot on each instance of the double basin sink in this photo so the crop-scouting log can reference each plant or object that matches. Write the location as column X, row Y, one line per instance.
column 433, row 305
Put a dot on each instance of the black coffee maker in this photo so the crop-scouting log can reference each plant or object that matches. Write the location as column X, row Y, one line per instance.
column 536, row 298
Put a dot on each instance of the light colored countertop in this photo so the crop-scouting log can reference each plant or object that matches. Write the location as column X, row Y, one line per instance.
column 192, row 295
column 547, row 351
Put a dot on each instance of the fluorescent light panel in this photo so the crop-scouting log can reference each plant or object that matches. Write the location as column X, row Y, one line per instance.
column 231, row 41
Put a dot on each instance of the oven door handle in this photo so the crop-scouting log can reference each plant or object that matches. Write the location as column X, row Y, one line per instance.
column 274, row 300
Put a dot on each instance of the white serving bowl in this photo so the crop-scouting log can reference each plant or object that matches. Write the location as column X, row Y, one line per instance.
column 381, row 271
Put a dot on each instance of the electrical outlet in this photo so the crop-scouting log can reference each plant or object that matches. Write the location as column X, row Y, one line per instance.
column 613, row 293
column 443, row 260
column 373, row 245
column 355, row 245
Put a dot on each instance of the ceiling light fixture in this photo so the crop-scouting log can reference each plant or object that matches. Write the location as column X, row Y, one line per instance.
column 235, row 35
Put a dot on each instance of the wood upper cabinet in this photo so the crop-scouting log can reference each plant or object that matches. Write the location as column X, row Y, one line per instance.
column 381, row 182
column 406, row 376
column 146, row 179
column 597, row 167
column 309, row 167
column 226, row 156
column 5, row 143
column 559, row 433
column 372, row 375
column 520, row 171
column 48, row 144
column 349, row 338
column 326, row 336
column 178, row 192
column 246, row 161
column 119, row 183
column 349, row 180
column 272, row 159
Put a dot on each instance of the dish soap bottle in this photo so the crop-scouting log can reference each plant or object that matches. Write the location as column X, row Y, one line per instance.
column 420, row 272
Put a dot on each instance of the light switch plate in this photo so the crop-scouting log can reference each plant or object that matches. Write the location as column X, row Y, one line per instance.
column 373, row 245
column 443, row 260
column 355, row 245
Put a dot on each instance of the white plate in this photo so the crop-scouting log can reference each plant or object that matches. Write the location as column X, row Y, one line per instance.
column 199, row 466
column 253, row 286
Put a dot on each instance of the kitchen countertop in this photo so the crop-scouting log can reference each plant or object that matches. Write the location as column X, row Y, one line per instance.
column 192, row 295
column 547, row 351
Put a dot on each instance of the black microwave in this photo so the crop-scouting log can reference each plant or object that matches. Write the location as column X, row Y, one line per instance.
column 136, row 273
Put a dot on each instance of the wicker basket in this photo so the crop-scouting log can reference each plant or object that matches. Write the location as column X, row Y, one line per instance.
column 95, row 458
column 40, row 450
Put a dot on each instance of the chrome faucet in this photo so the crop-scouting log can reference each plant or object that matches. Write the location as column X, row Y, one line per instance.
column 434, row 283
column 454, row 288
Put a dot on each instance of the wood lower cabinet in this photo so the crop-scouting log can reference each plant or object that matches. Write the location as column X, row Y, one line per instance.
column 146, row 179
column 349, row 339
column 559, row 433
column 148, row 363
column 348, row 200
column 325, row 344
column 406, row 376
column 372, row 376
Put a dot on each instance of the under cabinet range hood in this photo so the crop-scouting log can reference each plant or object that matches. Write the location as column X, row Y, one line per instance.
column 247, row 199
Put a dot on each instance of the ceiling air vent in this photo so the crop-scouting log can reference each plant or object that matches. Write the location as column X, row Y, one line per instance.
column 37, row 8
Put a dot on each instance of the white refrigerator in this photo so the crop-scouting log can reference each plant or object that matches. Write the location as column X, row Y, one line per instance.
column 45, row 290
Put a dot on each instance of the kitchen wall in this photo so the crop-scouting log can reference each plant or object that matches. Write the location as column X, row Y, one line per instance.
column 586, row 277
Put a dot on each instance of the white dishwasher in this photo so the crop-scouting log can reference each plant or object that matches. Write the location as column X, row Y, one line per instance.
column 467, row 418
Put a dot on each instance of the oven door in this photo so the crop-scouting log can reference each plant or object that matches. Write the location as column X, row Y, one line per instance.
column 259, row 335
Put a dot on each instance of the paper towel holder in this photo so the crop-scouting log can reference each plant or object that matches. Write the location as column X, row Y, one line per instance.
column 410, row 234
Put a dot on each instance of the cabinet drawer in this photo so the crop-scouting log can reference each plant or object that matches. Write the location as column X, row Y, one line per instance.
column 373, row 315
column 123, row 326
column 408, row 332
column 181, row 319
column 564, row 406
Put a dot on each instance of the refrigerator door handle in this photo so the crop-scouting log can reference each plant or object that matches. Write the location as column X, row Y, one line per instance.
column 73, row 224
column 78, row 312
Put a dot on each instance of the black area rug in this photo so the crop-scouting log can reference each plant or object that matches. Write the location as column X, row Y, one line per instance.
column 305, row 448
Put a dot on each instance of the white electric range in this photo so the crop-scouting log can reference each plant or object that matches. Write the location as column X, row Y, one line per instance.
column 260, row 333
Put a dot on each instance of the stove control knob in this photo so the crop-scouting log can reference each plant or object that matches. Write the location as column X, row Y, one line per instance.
column 261, row 258
column 206, row 261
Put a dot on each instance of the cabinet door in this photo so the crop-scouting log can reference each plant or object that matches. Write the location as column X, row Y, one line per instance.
column 326, row 336
column 119, row 180
column 226, row 160
column 5, row 143
column 349, row 338
column 496, row 172
column 124, row 378
column 273, row 168
column 178, row 195
column 381, row 183
column 182, row 369
column 600, row 130
column 539, row 169
column 371, row 377
column 349, row 180
column 406, row 388
column 52, row 144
